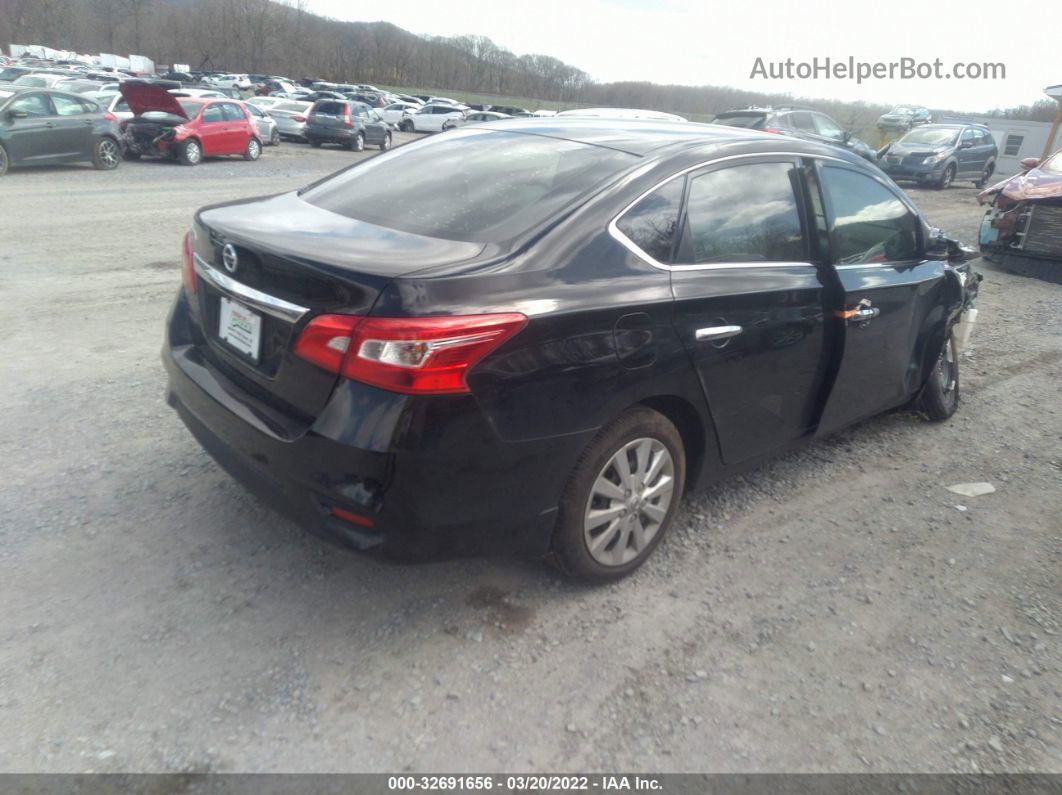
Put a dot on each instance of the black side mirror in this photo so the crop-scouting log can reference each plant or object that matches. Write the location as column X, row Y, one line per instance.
column 17, row 114
column 941, row 247
column 846, row 136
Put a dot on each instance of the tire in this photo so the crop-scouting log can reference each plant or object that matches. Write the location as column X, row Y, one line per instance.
column 5, row 161
column 612, row 548
column 128, row 155
column 405, row 126
column 106, row 154
column 985, row 176
column 274, row 139
column 253, row 150
column 314, row 143
column 358, row 144
column 190, row 153
column 940, row 396
column 385, row 144
column 946, row 178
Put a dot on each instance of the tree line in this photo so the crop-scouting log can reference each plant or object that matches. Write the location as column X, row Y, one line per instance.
column 282, row 37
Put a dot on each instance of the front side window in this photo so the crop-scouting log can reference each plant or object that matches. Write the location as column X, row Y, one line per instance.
column 652, row 222
column 212, row 114
column 870, row 223
column 232, row 112
column 745, row 213
column 32, row 105
column 801, row 120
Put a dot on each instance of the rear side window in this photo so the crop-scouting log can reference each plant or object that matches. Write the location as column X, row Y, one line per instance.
column 436, row 187
column 870, row 223
column 652, row 222
column 67, row 106
column 801, row 120
column 745, row 213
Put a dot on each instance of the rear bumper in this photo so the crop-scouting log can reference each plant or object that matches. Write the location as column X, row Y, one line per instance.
column 435, row 484
column 330, row 133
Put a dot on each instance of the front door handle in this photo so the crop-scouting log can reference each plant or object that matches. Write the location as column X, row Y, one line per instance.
column 859, row 315
column 716, row 333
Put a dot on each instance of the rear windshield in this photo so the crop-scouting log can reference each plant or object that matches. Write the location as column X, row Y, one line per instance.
column 929, row 136
column 752, row 121
column 475, row 186
column 294, row 106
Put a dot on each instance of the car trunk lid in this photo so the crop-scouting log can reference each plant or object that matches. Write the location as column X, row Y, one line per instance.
column 262, row 276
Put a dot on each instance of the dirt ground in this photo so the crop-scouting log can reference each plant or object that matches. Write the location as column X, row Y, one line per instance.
column 835, row 610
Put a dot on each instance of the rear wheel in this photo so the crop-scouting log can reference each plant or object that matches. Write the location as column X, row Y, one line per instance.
column 253, row 150
column 4, row 162
column 274, row 139
column 358, row 144
column 405, row 126
column 106, row 154
column 385, row 144
column 946, row 178
column 621, row 499
column 940, row 395
column 190, row 153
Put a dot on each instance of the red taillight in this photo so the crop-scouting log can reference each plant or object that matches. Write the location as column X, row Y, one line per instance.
column 110, row 116
column 353, row 518
column 415, row 356
column 347, row 121
column 772, row 130
column 188, row 268
column 299, row 119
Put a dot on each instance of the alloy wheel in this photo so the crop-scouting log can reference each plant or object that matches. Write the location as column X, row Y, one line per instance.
column 108, row 153
column 359, row 143
column 629, row 501
column 193, row 152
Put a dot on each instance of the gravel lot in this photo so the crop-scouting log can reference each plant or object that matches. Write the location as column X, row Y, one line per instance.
column 835, row 610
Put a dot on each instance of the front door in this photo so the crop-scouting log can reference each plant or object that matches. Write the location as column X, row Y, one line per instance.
column 749, row 303
column 213, row 130
column 32, row 137
column 887, row 293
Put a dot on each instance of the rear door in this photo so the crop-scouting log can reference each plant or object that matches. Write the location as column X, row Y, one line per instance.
column 887, row 292
column 75, row 126
column 750, row 303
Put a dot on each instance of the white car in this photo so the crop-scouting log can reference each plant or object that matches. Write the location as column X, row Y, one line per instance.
column 265, row 103
column 618, row 113
column 396, row 111
column 475, row 117
column 431, row 118
column 241, row 82
column 197, row 93
column 116, row 105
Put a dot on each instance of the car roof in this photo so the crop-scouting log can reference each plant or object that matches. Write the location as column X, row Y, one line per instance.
column 642, row 136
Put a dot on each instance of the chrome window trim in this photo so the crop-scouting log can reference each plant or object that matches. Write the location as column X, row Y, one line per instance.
column 263, row 302
column 631, row 246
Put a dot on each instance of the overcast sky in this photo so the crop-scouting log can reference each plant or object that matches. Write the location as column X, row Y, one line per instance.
column 717, row 43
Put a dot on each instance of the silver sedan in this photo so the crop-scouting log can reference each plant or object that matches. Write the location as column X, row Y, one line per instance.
column 268, row 130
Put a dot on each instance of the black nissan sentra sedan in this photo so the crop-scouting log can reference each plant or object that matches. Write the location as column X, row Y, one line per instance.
column 535, row 336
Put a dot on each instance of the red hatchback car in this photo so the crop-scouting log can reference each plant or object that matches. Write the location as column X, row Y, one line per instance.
column 185, row 129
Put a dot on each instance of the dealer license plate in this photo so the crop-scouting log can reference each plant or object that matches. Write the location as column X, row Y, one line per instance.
column 240, row 327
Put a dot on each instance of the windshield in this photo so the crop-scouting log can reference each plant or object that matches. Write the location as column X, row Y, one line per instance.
column 932, row 136
column 752, row 121
column 435, row 188
column 1053, row 164
column 902, row 111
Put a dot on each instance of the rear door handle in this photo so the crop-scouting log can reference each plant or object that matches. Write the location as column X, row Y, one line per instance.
column 716, row 333
column 49, row 124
